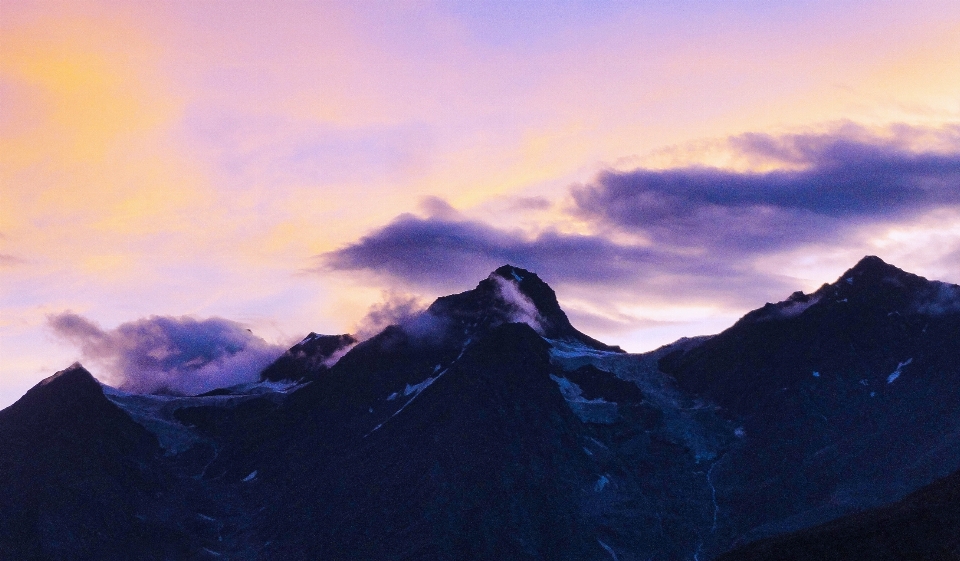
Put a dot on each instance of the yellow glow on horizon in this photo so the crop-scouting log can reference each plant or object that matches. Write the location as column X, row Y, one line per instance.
column 84, row 159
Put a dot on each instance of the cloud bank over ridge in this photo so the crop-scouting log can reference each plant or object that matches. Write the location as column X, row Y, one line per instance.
column 162, row 354
column 688, row 231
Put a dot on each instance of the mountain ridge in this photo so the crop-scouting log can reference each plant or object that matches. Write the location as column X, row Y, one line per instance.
column 487, row 426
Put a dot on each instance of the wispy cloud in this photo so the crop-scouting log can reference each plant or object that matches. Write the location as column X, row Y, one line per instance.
column 394, row 309
column 10, row 260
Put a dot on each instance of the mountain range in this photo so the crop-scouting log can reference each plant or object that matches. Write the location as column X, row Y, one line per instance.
column 825, row 426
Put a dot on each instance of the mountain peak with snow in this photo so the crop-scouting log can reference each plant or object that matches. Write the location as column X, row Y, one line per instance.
column 511, row 295
column 487, row 426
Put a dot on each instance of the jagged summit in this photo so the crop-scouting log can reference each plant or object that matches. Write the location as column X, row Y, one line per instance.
column 75, row 373
column 871, row 284
column 308, row 358
column 872, row 271
column 71, row 386
column 875, row 284
column 873, row 266
column 488, row 427
column 509, row 294
column 72, row 460
column 861, row 327
column 512, row 295
column 72, row 393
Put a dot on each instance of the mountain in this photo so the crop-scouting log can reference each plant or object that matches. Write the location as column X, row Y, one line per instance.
column 847, row 398
column 76, row 472
column 921, row 526
column 509, row 294
column 307, row 359
column 488, row 427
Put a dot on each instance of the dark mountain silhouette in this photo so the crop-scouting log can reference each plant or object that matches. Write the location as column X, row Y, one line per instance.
column 488, row 427
column 510, row 294
column 921, row 526
column 76, row 471
column 847, row 398
column 307, row 359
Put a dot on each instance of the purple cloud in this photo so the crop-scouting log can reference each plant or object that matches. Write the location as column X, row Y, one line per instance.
column 705, row 227
column 445, row 255
column 840, row 183
column 164, row 354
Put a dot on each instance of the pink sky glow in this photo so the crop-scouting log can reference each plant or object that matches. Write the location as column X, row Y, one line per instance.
column 277, row 164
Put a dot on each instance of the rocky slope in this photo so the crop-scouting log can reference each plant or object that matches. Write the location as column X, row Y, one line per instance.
column 488, row 427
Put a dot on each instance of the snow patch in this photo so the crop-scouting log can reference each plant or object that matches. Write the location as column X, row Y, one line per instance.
column 601, row 483
column 560, row 349
column 266, row 386
column 568, row 389
column 793, row 308
column 155, row 413
column 896, row 373
column 596, row 410
column 609, row 549
column 417, row 388
column 681, row 422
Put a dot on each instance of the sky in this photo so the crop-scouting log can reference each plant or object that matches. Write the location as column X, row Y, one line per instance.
column 188, row 188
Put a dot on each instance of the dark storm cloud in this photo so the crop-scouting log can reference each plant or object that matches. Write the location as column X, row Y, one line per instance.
column 840, row 183
column 170, row 354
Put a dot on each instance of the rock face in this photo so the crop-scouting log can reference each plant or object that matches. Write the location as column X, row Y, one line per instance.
column 307, row 359
column 510, row 294
column 921, row 526
column 488, row 427
column 486, row 477
column 76, row 473
column 847, row 398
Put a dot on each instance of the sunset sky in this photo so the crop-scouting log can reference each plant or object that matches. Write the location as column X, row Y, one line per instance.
column 173, row 173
